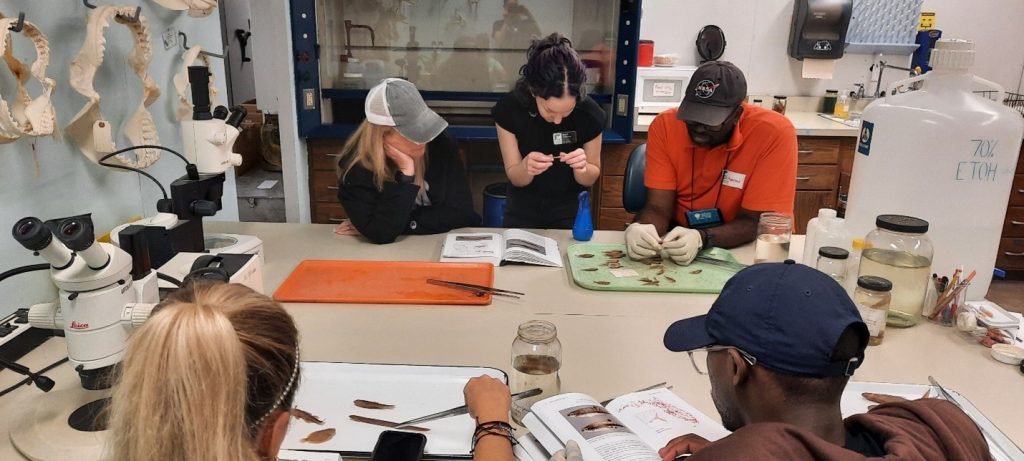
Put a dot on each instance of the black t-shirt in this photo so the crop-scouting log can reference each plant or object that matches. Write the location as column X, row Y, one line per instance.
column 534, row 133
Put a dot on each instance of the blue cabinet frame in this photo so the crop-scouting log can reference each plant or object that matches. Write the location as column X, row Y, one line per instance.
column 309, row 95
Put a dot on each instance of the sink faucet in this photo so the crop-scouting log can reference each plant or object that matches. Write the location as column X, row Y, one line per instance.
column 882, row 65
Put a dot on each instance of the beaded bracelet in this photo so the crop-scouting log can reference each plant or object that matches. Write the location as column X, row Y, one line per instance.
column 498, row 428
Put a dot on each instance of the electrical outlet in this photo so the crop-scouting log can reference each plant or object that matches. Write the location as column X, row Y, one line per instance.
column 170, row 37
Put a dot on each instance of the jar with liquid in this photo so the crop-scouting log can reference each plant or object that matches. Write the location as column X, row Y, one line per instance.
column 536, row 359
column 779, row 104
column 872, row 297
column 900, row 251
column 774, row 231
column 832, row 261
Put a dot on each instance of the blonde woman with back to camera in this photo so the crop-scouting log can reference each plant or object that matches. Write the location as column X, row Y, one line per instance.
column 210, row 376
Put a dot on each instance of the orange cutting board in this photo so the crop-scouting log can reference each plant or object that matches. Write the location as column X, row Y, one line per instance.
column 384, row 282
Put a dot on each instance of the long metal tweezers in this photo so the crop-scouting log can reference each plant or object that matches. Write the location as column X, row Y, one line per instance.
column 735, row 267
column 479, row 290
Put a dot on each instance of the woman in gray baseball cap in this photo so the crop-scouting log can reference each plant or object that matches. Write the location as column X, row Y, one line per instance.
column 400, row 172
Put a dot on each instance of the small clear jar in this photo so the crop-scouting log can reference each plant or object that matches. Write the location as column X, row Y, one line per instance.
column 832, row 261
column 900, row 251
column 536, row 359
column 779, row 104
column 872, row 298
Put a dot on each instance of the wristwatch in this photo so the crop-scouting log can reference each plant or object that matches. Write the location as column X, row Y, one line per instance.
column 403, row 178
column 705, row 238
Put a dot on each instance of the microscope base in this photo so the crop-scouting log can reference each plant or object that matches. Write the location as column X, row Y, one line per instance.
column 40, row 428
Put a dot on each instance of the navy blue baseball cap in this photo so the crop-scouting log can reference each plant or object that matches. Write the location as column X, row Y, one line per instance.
column 788, row 316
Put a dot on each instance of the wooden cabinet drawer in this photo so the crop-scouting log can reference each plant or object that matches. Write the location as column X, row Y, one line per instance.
column 1011, row 254
column 328, row 213
column 614, row 219
column 324, row 161
column 806, row 206
column 614, row 157
column 815, row 150
column 816, row 177
column 324, row 186
column 1017, row 193
column 1014, row 224
column 611, row 191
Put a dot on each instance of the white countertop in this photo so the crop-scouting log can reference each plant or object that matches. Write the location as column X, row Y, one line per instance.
column 806, row 124
column 612, row 341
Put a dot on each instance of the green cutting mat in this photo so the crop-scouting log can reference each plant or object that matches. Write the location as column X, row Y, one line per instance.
column 707, row 279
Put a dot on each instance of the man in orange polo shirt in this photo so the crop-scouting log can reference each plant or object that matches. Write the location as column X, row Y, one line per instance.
column 713, row 166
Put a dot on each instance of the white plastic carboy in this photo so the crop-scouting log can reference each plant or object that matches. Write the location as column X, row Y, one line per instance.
column 944, row 154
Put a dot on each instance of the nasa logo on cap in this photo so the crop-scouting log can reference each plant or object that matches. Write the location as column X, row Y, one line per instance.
column 705, row 89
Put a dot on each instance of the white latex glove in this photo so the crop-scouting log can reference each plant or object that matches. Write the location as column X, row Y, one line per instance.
column 682, row 244
column 642, row 241
column 571, row 452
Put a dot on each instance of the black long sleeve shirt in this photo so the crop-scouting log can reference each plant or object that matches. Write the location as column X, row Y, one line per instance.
column 383, row 215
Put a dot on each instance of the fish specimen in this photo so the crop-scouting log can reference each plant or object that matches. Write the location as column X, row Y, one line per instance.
column 306, row 416
column 586, row 255
column 371, row 405
column 320, row 436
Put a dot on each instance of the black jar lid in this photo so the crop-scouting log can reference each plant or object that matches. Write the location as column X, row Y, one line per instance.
column 901, row 223
column 833, row 253
column 873, row 283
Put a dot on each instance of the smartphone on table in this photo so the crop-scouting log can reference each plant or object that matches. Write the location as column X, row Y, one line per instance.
column 399, row 446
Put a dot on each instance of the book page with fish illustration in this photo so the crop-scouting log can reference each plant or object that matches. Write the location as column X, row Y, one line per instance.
column 600, row 434
column 514, row 245
column 659, row 415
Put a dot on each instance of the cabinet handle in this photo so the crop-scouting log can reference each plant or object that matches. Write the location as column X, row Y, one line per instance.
column 333, row 155
column 335, row 220
column 803, row 178
column 805, row 151
column 332, row 187
column 1020, row 191
column 1009, row 253
column 1017, row 223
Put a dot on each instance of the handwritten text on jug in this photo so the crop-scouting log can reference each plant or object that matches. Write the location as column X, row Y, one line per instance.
column 982, row 166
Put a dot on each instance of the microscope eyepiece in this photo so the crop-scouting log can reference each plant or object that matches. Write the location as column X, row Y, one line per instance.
column 76, row 233
column 32, row 234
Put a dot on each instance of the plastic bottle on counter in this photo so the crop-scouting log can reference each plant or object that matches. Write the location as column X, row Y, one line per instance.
column 853, row 264
column 944, row 154
column 814, row 227
column 842, row 108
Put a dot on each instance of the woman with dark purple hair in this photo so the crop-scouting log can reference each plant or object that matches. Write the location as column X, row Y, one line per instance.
column 549, row 133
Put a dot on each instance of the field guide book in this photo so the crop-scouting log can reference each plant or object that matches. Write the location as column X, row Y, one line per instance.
column 632, row 427
column 513, row 245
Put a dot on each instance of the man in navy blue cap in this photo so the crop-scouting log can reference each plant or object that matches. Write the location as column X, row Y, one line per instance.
column 779, row 345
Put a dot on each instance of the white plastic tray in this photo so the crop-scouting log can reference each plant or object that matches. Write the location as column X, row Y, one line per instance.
column 328, row 389
column 1003, row 449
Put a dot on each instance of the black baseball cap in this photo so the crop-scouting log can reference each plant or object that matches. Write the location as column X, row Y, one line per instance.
column 786, row 315
column 714, row 91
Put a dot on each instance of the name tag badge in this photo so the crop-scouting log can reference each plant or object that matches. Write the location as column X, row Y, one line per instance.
column 733, row 179
column 565, row 137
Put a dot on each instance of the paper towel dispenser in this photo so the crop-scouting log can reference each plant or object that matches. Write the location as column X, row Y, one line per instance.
column 819, row 28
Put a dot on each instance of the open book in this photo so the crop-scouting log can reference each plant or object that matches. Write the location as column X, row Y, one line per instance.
column 630, row 428
column 513, row 245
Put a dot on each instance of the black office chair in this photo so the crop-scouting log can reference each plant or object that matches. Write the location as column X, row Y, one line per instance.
column 634, row 193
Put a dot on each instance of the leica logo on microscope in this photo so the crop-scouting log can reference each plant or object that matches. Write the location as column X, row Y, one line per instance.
column 79, row 326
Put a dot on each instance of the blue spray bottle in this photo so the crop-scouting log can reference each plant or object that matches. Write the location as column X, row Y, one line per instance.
column 583, row 228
